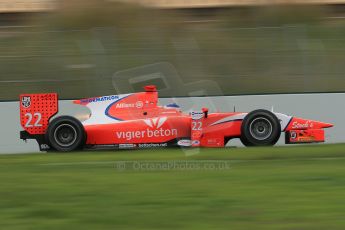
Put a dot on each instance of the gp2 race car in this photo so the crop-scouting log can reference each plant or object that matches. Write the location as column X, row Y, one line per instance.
column 136, row 121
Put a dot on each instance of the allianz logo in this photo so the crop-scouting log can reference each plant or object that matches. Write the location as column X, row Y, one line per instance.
column 138, row 104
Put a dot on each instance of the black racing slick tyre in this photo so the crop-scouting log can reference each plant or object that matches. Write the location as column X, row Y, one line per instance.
column 260, row 128
column 65, row 134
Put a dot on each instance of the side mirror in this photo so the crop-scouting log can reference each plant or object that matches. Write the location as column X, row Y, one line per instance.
column 205, row 111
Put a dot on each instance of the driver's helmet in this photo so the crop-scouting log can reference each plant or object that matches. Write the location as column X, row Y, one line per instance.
column 172, row 105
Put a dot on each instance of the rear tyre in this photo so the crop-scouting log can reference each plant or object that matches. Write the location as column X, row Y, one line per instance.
column 260, row 128
column 66, row 134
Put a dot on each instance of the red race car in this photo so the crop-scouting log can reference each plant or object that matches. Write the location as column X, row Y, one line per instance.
column 137, row 121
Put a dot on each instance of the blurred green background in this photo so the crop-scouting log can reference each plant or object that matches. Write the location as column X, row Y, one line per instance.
column 77, row 50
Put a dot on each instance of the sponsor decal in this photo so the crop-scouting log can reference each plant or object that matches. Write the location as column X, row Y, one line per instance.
column 44, row 147
column 129, row 135
column 297, row 125
column 124, row 106
column 155, row 122
column 197, row 115
column 138, row 104
column 196, row 135
column 213, row 141
column 306, row 139
column 293, row 135
column 26, row 101
column 184, row 142
column 195, row 142
column 151, row 145
column 99, row 99
column 127, row 146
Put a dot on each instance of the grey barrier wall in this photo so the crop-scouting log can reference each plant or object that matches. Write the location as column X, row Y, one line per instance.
column 324, row 107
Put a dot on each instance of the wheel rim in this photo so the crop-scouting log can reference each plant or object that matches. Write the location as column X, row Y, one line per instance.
column 65, row 135
column 260, row 128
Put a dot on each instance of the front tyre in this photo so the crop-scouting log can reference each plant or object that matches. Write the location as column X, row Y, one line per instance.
column 65, row 134
column 260, row 128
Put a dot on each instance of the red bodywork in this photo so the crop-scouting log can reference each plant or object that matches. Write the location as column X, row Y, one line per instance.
column 36, row 110
column 136, row 119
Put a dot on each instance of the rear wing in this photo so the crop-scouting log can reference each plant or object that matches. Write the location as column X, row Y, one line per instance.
column 36, row 111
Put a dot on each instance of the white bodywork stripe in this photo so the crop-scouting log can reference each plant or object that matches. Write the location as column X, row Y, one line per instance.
column 98, row 110
column 283, row 119
column 230, row 118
